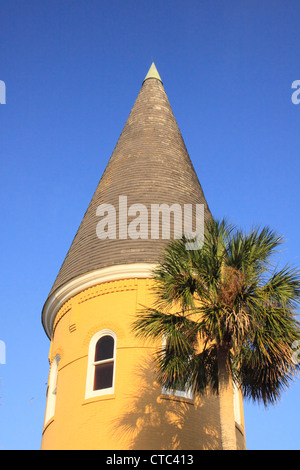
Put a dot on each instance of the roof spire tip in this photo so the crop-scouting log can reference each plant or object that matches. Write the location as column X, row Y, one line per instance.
column 153, row 73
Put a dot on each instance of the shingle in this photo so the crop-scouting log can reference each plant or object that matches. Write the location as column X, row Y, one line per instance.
column 150, row 165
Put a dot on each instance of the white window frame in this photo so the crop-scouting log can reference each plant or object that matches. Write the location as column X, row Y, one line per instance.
column 89, row 391
column 52, row 389
column 186, row 393
column 236, row 404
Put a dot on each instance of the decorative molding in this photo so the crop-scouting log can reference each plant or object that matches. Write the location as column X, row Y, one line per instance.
column 57, row 352
column 61, row 313
column 90, row 293
column 103, row 325
column 60, row 297
column 108, row 288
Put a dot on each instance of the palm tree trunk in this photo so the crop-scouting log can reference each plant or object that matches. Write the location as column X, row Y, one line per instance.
column 228, row 436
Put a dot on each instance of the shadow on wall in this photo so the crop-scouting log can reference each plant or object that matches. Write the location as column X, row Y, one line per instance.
column 159, row 422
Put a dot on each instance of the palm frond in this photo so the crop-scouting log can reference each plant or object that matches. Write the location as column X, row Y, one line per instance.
column 253, row 251
column 180, row 331
column 264, row 377
column 195, row 371
column 225, row 296
column 175, row 283
column 283, row 288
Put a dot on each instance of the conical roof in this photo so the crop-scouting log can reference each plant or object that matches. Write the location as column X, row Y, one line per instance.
column 149, row 165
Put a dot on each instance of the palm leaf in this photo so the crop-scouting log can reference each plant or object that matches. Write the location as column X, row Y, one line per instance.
column 225, row 296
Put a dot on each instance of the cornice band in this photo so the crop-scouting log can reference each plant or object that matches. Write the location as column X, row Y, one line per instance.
column 80, row 283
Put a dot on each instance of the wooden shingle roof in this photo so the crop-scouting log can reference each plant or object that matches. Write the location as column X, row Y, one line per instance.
column 150, row 165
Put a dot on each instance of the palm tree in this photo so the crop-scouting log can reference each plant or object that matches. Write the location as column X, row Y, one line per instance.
column 228, row 316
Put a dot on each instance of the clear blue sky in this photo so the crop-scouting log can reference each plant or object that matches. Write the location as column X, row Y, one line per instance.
column 72, row 71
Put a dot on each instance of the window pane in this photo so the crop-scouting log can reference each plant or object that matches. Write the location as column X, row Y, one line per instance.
column 104, row 348
column 103, row 376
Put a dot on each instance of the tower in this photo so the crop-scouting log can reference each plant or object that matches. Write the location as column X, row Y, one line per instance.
column 102, row 392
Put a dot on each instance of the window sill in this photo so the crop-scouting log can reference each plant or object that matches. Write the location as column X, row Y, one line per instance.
column 190, row 401
column 110, row 396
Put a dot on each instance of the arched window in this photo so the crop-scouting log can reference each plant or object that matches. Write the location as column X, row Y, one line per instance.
column 101, row 364
column 52, row 389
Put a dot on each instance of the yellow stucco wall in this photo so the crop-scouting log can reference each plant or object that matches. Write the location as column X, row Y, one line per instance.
column 137, row 415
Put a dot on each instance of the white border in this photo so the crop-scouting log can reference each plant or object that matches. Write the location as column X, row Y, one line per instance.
column 73, row 287
column 89, row 391
column 236, row 403
column 52, row 389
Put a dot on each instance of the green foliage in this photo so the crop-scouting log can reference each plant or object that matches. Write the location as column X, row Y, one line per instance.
column 226, row 295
